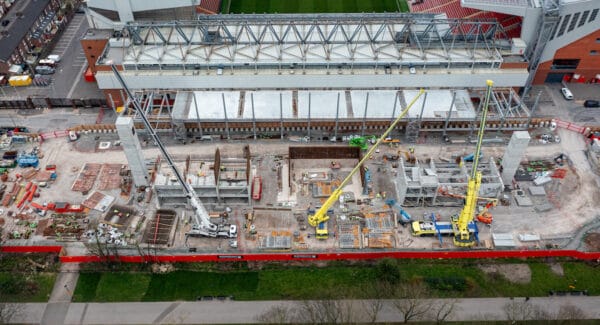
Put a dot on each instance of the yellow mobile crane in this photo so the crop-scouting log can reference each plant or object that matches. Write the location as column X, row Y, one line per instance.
column 319, row 219
column 463, row 237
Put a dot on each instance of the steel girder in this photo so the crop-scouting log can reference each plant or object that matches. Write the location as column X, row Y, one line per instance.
column 315, row 39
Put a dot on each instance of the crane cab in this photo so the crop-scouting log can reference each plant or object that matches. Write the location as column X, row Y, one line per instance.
column 321, row 231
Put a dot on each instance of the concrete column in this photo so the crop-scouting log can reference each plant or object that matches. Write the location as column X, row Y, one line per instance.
column 512, row 157
column 133, row 150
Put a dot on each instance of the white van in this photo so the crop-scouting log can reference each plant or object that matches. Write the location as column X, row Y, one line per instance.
column 567, row 94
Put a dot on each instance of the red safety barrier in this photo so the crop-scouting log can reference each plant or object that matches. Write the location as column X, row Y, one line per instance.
column 31, row 249
column 309, row 255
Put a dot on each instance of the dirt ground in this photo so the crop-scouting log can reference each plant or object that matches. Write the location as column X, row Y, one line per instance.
column 515, row 273
column 592, row 241
column 577, row 197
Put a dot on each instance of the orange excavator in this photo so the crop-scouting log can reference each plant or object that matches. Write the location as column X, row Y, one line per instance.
column 485, row 216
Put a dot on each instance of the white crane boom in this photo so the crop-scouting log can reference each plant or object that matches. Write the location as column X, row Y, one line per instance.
column 203, row 226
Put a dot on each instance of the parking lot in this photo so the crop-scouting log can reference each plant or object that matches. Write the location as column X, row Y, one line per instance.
column 67, row 81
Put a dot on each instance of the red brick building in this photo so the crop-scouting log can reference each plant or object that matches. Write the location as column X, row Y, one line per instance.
column 25, row 28
column 578, row 61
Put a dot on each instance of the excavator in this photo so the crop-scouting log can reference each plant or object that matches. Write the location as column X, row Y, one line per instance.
column 483, row 216
column 463, row 237
column 320, row 218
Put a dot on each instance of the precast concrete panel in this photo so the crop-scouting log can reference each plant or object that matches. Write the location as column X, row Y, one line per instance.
column 513, row 154
column 133, row 150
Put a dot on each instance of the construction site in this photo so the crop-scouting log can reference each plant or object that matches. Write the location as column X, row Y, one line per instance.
column 373, row 132
column 107, row 185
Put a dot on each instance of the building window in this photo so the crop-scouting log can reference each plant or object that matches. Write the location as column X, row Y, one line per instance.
column 554, row 30
column 573, row 21
column 564, row 64
column 593, row 52
column 597, row 40
column 594, row 14
column 563, row 26
column 583, row 18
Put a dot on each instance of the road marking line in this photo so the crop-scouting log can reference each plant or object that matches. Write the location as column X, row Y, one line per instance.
column 76, row 81
column 73, row 31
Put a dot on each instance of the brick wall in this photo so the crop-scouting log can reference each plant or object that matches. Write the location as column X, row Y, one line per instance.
column 589, row 64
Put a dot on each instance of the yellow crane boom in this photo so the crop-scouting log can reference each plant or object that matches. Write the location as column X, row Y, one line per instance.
column 462, row 236
column 320, row 215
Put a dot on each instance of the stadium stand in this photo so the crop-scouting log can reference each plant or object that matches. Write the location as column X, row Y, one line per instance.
column 453, row 9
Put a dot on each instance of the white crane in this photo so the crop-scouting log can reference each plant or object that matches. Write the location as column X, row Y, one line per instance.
column 202, row 226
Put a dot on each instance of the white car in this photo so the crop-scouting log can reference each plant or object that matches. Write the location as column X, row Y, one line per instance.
column 567, row 94
column 54, row 57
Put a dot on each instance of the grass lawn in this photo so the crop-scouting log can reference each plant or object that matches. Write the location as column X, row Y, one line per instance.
column 311, row 282
column 17, row 287
column 312, row 6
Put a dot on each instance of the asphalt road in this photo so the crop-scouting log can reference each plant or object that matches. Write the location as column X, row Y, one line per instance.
column 49, row 120
column 237, row 312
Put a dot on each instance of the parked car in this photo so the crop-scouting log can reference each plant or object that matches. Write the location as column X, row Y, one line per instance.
column 47, row 62
column 567, row 94
column 591, row 103
column 54, row 57
column 43, row 69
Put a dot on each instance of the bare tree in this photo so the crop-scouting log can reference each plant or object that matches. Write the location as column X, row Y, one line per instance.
column 379, row 291
column 519, row 310
column 410, row 300
column 328, row 311
column 441, row 310
column 570, row 314
column 279, row 314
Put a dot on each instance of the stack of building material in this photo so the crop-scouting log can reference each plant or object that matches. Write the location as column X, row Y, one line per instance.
column 379, row 230
column 10, row 193
column 323, row 189
column 87, row 177
column 276, row 241
column 110, row 177
column 98, row 201
column 380, row 240
column 349, row 235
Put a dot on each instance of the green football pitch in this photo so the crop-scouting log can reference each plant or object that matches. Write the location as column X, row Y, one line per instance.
column 312, row 6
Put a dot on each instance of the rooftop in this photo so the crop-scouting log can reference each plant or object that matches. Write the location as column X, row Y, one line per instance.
column 321, row 104
column 21, row 16
column 304, row 40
